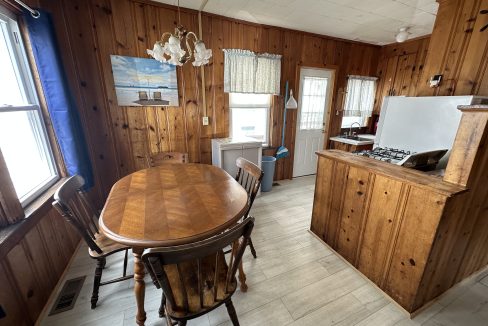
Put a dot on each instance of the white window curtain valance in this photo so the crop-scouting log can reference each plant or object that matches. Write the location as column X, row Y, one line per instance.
column 360, row 96
column 248, row 72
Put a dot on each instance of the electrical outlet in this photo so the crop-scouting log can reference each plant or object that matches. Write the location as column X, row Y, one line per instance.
column 205, row 121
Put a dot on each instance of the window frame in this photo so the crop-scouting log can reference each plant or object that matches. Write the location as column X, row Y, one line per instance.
column 364, row 120
column 18, row 54
column 266, row 141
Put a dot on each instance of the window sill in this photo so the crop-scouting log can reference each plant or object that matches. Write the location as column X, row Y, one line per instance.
column 12, row 234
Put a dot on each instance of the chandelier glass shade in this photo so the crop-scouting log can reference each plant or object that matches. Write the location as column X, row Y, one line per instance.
column 177, row 49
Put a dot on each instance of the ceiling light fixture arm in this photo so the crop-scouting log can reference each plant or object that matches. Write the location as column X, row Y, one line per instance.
column 176, row 50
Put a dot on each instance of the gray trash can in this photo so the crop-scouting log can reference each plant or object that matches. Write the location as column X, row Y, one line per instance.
column 268, row 165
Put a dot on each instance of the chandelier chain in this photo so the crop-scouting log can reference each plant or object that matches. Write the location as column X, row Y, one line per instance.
column 179, row 14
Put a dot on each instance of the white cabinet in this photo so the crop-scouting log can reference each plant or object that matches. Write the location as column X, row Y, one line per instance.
column 225, row 152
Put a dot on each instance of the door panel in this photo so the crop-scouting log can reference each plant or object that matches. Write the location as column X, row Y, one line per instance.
column 313, row 100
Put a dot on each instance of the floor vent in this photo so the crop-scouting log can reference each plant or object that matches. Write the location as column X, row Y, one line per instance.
column 67, row 297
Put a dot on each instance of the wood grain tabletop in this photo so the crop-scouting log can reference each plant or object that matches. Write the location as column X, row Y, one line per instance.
column 172, row 204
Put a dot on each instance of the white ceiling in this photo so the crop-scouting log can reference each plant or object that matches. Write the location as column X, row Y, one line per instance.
column 370, row 21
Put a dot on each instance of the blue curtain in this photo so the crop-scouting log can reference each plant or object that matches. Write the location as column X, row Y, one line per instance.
column 60, row 103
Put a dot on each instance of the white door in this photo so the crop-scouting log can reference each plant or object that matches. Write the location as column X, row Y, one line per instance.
column 313, row 100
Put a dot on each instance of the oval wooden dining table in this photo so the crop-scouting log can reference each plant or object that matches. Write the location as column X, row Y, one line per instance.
column 169, row 205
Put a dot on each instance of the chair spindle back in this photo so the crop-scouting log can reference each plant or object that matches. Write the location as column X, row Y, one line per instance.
column 249, row 176
column 72, row 204
column 204, row 258
column 167, row 157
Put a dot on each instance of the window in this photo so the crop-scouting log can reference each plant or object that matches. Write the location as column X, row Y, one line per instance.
column 23, row 138
column 250, row 115
column 358, row 105
column 348, row 121
column 314, row 93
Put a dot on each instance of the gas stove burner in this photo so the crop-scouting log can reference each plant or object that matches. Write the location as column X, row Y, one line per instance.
column 425, row 161
column 391, row 155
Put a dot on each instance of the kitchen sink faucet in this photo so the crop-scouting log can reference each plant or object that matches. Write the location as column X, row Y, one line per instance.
column 350, row 128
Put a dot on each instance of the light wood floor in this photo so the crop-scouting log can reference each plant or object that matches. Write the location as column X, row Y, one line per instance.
column 295, row 280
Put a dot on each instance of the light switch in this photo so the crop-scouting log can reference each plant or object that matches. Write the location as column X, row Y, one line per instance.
column 205, row 121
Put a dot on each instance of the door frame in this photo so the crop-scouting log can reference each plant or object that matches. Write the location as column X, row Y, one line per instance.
column 328, row 113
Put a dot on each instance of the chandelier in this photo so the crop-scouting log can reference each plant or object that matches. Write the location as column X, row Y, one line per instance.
column 177, row 50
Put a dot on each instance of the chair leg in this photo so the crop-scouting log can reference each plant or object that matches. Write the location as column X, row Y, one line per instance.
column 125, row 263
column 96, row 284
column 253, row 251
column 232, row 313
column 161, row 307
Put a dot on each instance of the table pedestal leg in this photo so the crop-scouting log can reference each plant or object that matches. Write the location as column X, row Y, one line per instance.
column 139, row 285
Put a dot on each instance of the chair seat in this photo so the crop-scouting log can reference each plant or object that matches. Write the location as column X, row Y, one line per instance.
column 189, row 274
column 108, row 246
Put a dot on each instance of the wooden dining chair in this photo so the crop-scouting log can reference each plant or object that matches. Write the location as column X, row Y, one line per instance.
column 167, row 157
column 196, row 278
column 249, row 176
column 72, row 204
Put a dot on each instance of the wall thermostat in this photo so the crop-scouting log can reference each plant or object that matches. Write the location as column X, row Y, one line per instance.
column 435, row 81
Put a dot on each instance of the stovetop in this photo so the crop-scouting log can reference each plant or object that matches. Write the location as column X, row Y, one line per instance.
column 424, row 161
column 391, row 155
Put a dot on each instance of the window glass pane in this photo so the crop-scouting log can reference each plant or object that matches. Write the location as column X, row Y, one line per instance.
column 250, row 123
column 22, row 141
column 348, row 121
column 248, row 100
column 313, row 99
column 10, row 87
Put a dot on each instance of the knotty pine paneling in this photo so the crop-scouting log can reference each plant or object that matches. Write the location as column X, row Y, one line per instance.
column 379, row 227
column 457, row 50
column 30, row 270
column 382, row 221
column 353, row 205
column 399, row 69
column 11, row 301
column 121, row 138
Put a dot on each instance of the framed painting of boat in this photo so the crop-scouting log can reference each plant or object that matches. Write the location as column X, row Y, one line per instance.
column 144, row 82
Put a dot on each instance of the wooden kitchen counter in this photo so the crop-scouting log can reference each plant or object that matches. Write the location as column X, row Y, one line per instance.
column 410, row 176
column 414, row 235
column 382, row 218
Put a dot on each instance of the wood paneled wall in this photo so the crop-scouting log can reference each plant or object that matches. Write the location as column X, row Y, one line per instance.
column 31, row 263
column 399, row 69
column 120, row 138
column 458, row 50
